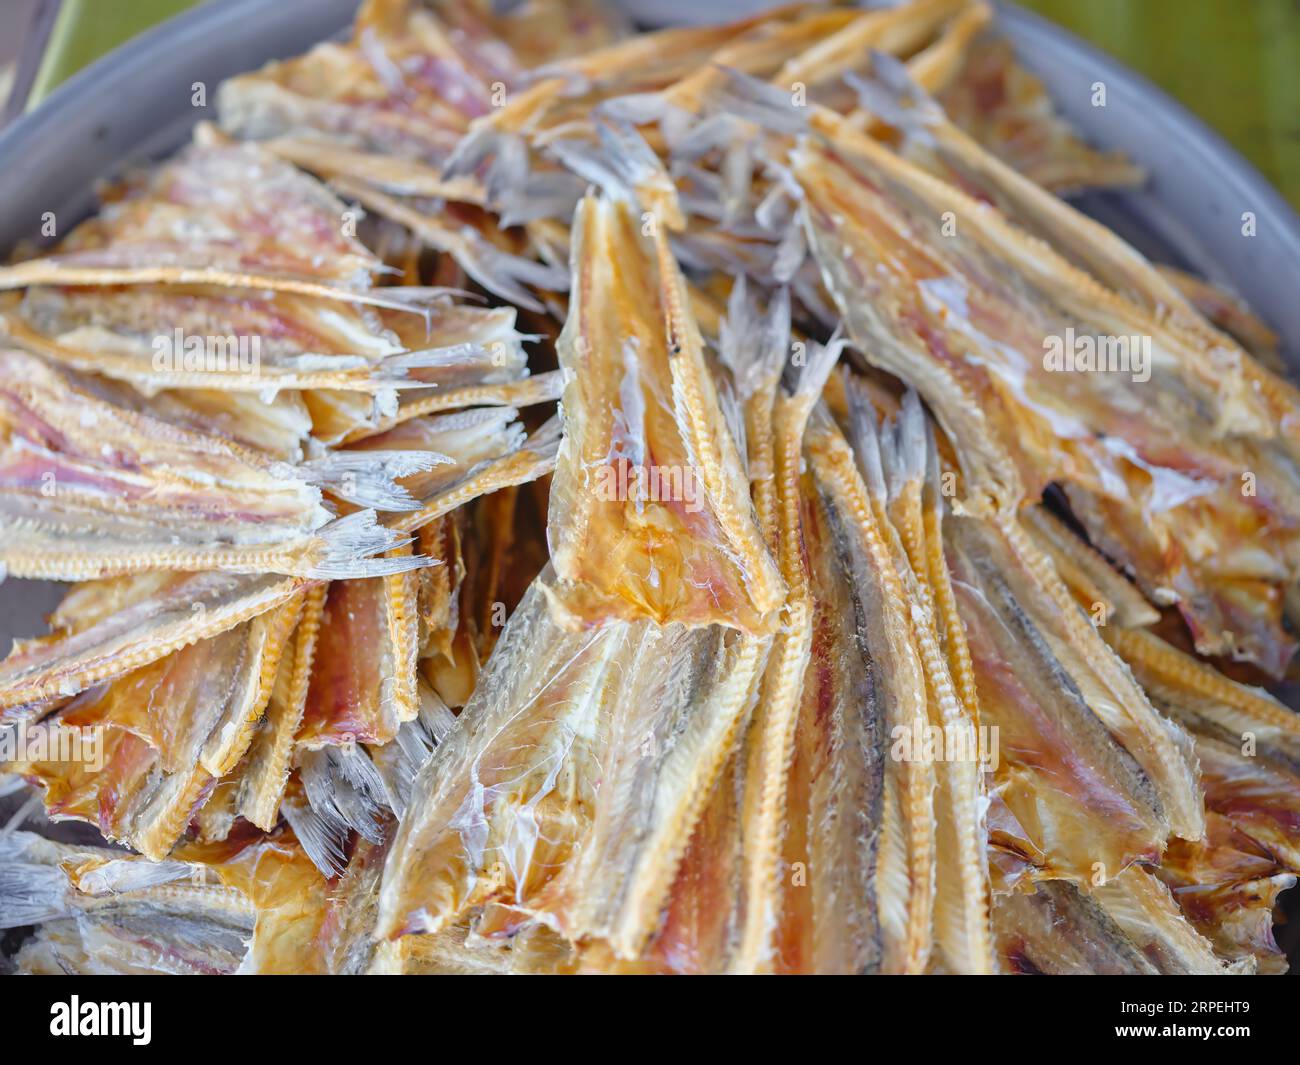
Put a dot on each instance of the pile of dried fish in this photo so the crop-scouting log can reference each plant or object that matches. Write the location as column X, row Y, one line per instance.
column 830, row 624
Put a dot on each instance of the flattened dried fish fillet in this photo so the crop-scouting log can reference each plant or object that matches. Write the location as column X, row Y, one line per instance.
column 1060, row 931
column 1144, row 908
column 497, row 271
column 748, row 735
column 286, row 892
column 1227, row 312
column 459, row 951
column 1007, row 110
column 279, row 429
column 680, row 703
column 1257, row 795
column 1046, row 726
column 1103, row 593
column 122, row 905
column 982, row 366
column 897, row 30
column 771, row 742
column 170, row 731
column 541, row 388
column 909, row 466
column 158, row 497
column 166, row 337
column 1207, row 702
column 103, row 912
column 830, row 920
column 640, row 404
column 176, row 612
column 1130, row 926
column 505, row 799
column 443, row 450
column 533, row 458
column 658, row 59
column 1227, row 885
column 698, row 921
column 363, row 681
column 282, row 231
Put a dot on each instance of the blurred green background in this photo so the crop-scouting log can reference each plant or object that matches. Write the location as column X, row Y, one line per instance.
column 1236, row 63
column 86, row 29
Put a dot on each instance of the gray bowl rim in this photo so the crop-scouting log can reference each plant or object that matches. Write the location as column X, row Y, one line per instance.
column 133, row 59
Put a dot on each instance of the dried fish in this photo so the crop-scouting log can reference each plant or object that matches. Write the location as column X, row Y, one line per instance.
column 159, row 497
column 826, row 627
column 168, row 731
column 650, row 509
column 978, row 345
column 114, row 913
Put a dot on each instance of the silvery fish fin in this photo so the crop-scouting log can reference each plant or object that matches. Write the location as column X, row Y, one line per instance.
column 791, row 253
column 758, row 101
column 345, row 789
column 548, row 194
column 471, row 151
column 323, row 839
column 810, row 366
column 622, row 165
column 906, row 448
column 399, row 762
column 734, row 417
column 31, row 891
column 703, row 136
column 864, row 435
column 505, row 275
column 369, row 478
column 351, row 543
column 891, row 95
column 634, row 109
column 754, row 348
